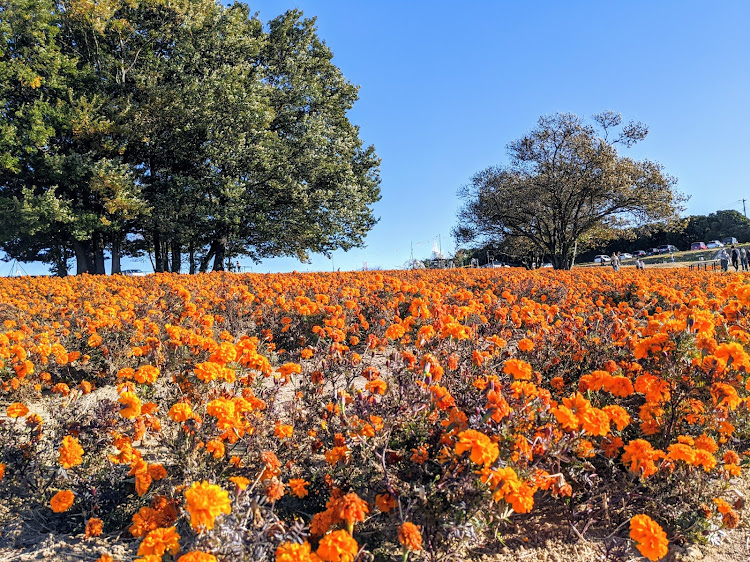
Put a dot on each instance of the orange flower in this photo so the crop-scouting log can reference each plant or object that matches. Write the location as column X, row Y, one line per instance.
column 216, row 448
column 293, row 552
column 132, row 405
column 525, row 344
column 641, row 456
column 240, row 481
column 62, row 501
column 385, row 502
column 159, row 541
column 71, row 452
column 338, row 546
column 2, row 470
column 275, row 490
column 205, row 502
column 180, row 412
column 283, row 431
column 299, row 487
column 197, row 556
column 650, row 538
column 352, row 509
column 16, row 410
column 410, row 537
column 94, row 527
column 482, row 450
column 520, row 369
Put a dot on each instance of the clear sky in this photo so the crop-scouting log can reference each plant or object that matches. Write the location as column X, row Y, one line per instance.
column 445, row 86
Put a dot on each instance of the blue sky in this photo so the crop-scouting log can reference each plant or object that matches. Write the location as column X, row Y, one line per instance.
column 445, row 86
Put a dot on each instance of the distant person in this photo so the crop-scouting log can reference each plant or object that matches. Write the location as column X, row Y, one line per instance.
column 723, row 259
column 743, row 258
column 615, row 261
column 237, row 266
column 735, row 258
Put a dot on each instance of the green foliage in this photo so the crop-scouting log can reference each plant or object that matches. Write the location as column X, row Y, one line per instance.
column 175, row 127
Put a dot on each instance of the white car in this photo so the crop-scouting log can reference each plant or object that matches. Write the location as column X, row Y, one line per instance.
column 714, row 244
column 602, row 259
column 626, row 256
column 133, row 272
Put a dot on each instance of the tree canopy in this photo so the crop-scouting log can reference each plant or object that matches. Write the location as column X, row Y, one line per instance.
column 566, row 183
column 187, row 129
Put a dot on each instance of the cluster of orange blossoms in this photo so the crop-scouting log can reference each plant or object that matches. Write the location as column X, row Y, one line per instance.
column 373, row 394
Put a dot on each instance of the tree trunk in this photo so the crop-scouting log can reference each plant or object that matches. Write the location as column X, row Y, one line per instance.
column 116, row 249
column 83, row 257
column 221, row 248
column 191, row 256
column 158, row 257
column 176, row 256
column 207, row 258
column 165, row 255
column 98, row 254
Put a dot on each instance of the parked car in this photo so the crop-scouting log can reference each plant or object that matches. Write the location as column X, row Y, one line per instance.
column 729, row 241
column 547, row 265
column 698, row 246
column 133, row 272
column 714, row 244
column 652, row 252
column 667, row 249
column 639, row 253
column 602, row 259
column 626, row 256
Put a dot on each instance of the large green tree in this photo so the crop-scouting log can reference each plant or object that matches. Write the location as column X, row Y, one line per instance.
column 183, row 128
column 566, row 182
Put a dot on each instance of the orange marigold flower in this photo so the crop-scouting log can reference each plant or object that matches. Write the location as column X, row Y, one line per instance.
column 519, row 369
column 283, row 431
column 240, row 481
column 338, row 546
column 410, row 537
column 377, row 386
column 197, row 556
column 105, row 558
column 62, row 501
column 2, row 470
column 16, row 410
column 275, row 490
column 722, row 506
column 618, row 416
column 94, row 527
column 180, row 412
column 352, row 509
column 650, row 538
column 385, row 502
column 159, row 541
column 641, row 456
column 216, row 448
column 205, row 502
column 132, row 405
column 525, row 344
column 566, row 418
column 71, row 452
column 299, row 487
column 293, row 552
column 482, row 450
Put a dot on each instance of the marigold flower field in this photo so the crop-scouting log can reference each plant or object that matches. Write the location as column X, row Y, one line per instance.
column 373, row 416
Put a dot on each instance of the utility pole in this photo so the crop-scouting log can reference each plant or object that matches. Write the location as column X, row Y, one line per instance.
column 743, row 208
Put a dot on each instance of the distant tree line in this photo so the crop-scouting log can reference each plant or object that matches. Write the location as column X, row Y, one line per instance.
column 185, row 129
column 681, row 233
